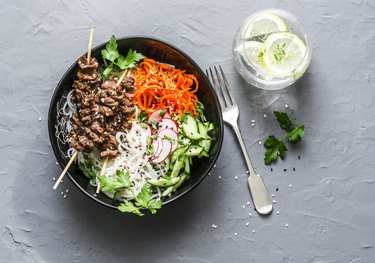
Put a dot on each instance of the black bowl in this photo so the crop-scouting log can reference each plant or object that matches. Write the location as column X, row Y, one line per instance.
column 162, row 52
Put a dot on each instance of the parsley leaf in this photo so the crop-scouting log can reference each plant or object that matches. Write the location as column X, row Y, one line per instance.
column 130, row 60
column 144, row 196
column 110, row 184
column 162, row 113
column 129, row 207
column 296, row 134
column 274, row 148
column 154, row 204
column 110, row 52
column 283, row 119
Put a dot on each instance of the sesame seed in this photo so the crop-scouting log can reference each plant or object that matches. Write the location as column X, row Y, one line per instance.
column 236, row 177
column 214, row 226
column 273, row 195
column 258, row 174
column 62, row 193
column 248, row 203
column 247, row 172
column 247, row 223
column 271, row 169
column 215, row 165
column 294, row 169
column 278, row 212
column 53, row 178
column 252, row 121
column 286, row 225
column 286, row 106
column 252, row 125
column 209, row 174
column 260, row 142
column 299, row 157
column 250, row 215
column 67, row 190
column 62, row 181
column 264, row 116
column 57, row 163
column 290, row 185
column 253, row 230
column 285, row 170
column 40, row 118
column 277, row 189
column 64, row 196
column 274, row 201
column 243, row 207
column 219, row 177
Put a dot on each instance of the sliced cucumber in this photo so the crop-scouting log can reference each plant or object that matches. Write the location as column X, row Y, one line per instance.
column 203, row 154
column 177, row 153
column 192, row 122
column 187, row 165
column 210, row 127
column 170, row 189
column 164, row 182
column 191, row 131
column 203, row 130
column 178, row 165
column 194, row 150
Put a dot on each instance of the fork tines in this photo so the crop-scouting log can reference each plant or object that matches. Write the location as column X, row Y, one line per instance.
column 221, row 86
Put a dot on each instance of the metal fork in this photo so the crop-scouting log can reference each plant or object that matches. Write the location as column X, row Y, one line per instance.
column 261, row 198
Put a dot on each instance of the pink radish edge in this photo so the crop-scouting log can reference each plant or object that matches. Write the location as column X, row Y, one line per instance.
column 158, row 146
column 171, row 134
column 166, row 150
column 166, row 123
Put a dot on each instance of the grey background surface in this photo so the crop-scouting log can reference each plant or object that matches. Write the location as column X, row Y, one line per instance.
column 330, row 206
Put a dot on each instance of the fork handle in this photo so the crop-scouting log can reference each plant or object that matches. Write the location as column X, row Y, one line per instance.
column 261, row 198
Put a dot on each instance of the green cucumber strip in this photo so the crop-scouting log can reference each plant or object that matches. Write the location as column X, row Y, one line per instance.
column 194, row 150
column 164, row 182
column 178, row 165
column 187, row 165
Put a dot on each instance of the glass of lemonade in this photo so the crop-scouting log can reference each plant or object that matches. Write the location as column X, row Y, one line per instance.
column 271, row 49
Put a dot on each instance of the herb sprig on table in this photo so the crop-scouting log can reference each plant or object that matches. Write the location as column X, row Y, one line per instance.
column 276, row 147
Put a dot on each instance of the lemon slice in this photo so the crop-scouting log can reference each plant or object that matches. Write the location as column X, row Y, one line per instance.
column 262, row 25
column 283, row 53
column 250, row 51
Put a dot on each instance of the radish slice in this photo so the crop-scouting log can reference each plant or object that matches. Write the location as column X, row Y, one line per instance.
column 155, row 117
column 166, row 150
column 171, row 134
column 167, row 116
column 158, row 146
column 166, row 123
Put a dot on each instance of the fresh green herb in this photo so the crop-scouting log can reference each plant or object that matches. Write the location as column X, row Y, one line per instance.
column 200, row 109
column 120, row 181
column 151, row 137
column 142, row 117
column 261, row 54
column 284, row 120
column 168, row 138
column 143, row 125
column 296, row 134
column 279, row 53
column 276, row 147
column 162, row 113
column 142, row 201
column 153, row 125
column 111, row 54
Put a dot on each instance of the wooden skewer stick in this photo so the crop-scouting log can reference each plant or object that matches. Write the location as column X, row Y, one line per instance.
column 90, row 46
column 102, row 173
column 122, row 77
column 74, row 156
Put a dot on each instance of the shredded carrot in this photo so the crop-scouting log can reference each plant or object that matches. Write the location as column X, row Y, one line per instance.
column 162, row 87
